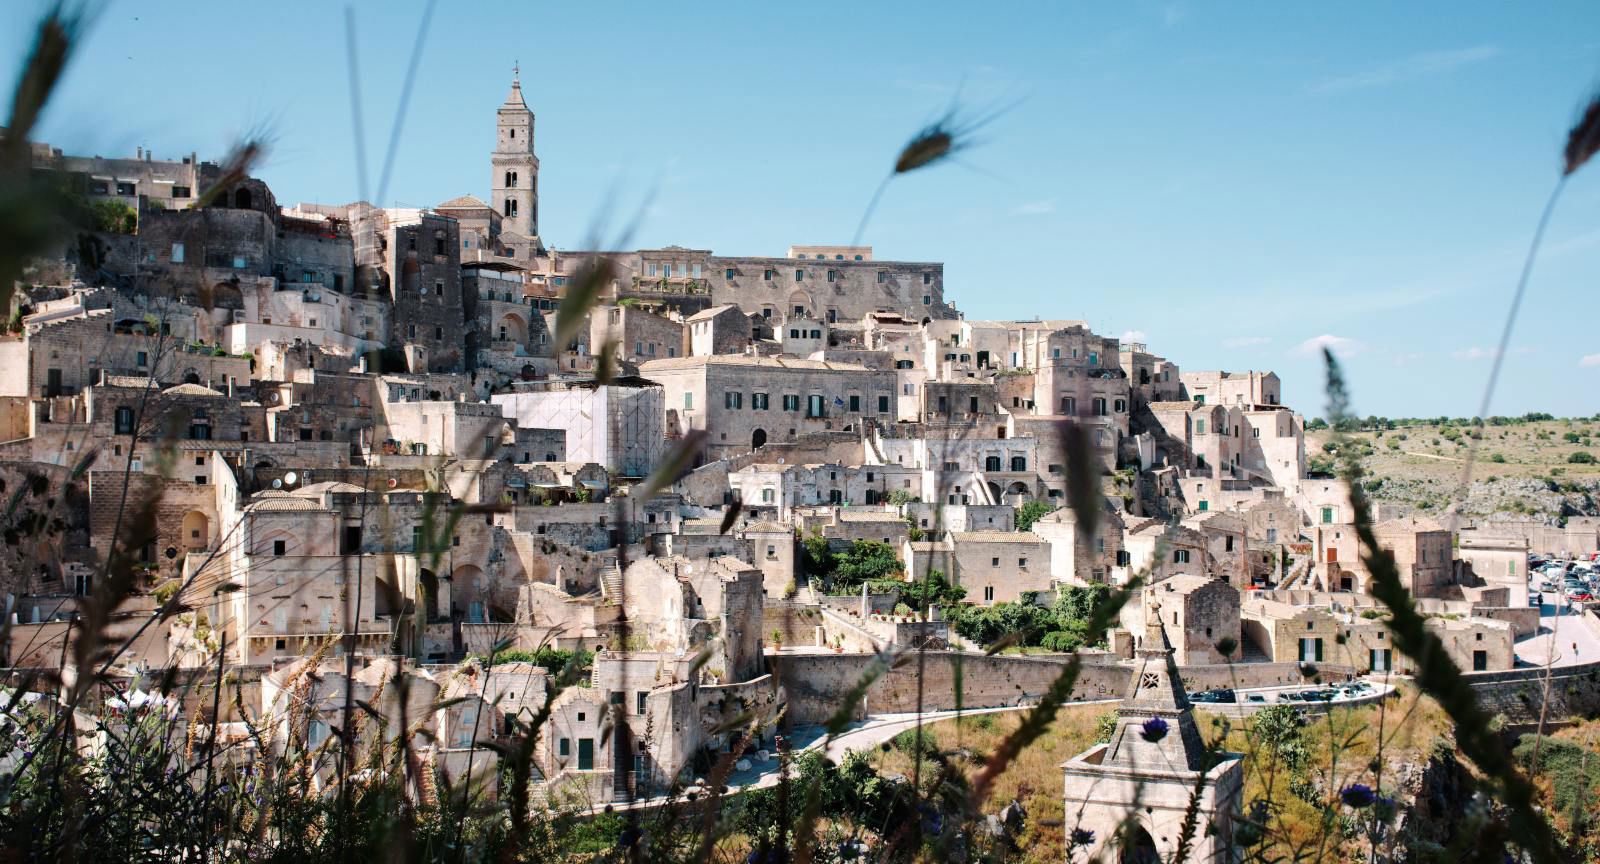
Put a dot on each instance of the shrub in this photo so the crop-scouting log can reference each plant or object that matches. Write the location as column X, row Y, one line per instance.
column 1497, row 458
column 1581, row 457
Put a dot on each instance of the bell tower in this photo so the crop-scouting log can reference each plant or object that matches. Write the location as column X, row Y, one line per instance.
column 515, row 169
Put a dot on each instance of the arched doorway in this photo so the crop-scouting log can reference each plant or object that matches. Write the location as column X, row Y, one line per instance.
column 196, row 530
column 1140, row 848
column 241, row 199
column 758, row 438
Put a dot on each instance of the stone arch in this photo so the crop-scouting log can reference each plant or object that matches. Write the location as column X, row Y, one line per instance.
column 428, row 587
column 758, row 438
column 196, row 530
column 994, row 491
column 511, row 327
column 241, row 199
column 227, row 295
column 798, row 297
column 1139, row 847
column 469, row 593
column 266, row 545
column 191, row 376
column 528, row 372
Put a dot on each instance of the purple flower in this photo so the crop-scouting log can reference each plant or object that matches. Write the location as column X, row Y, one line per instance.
column 1154, row 729
column 1082, row 837
column 1358, row 795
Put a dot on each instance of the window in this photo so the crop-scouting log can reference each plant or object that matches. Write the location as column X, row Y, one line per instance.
column 200, row 431
column 141, row 359
column 126, row 189
column 1099, row 406
column 124, row 421
column 1227, row 543
column 927, row 299
column 991, row 463
column 728, row 274
column 988, row 593
column 855, row 403
column 1204, row 505
column 1310, row 650
column 182, row 192
column 638, row 701
column 564, row 747
column 791, row 402
column 1019, row 463
column 688, row 401
column 1327, row 515
column 799, row 275
column 883, row 404
column 279, row 547
column 768, row 274
column 1124, row 558
column 177, row 253
column 1379, row 659
column 1022, row 563
column 832, row 274
column 883, row 276
column 1069, row 405
column 1180, row 556
column 1120, row 406
column 1199, row 427
column 758, row 401
column 814, row 406
column 733, row 399
column 1094, row 358
column 1255, row 432
column 767, row 495
column 927, row 278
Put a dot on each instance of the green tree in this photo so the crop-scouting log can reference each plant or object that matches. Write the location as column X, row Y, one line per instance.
column 931, row 590
column 865, row 561
column 1581, row 457
column 1032, row 512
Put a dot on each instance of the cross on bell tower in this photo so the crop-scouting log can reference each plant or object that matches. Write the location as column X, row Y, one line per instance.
column 513, row 165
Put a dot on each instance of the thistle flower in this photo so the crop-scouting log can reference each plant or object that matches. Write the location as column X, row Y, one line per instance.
column 1154, row 729
column 1081, row 837
column 1358, row 795
column 1584, row 139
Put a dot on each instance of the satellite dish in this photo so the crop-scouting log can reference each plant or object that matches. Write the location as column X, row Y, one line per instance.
column 277, row 484
column 393, row 483
column 290, row 478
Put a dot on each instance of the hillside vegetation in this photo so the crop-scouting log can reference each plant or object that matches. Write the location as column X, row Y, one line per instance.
column 1534, row 467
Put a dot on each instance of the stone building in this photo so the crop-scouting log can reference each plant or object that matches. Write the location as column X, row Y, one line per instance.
column 1204, row 612
column 1134, row 795
column 998, row 566
column 618, row 425
column 423, row 269
column 743, row 402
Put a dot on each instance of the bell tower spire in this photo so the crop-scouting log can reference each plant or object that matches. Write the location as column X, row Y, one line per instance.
column 514, row 168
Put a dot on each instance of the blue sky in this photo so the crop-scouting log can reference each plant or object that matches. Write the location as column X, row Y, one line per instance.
column 1237, row 182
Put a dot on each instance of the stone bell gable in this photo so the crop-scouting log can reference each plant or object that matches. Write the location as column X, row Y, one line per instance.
column 1128, row 800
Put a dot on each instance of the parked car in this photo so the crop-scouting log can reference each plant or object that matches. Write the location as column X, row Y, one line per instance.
column 1222, row 696
column 1582, row 596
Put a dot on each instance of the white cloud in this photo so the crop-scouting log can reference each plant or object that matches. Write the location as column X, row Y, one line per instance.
column 1135, row 336
column 1341, row 346
column 1173, row 14
column 1036, row 208
column 1589, row 361
column 1422, row 65
column 1476, row 353
column 1245, row 341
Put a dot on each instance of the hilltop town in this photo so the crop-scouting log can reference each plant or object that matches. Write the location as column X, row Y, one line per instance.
column 324, row 449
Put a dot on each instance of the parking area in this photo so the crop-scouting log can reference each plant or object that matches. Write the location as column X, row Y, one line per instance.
column 1311, row 697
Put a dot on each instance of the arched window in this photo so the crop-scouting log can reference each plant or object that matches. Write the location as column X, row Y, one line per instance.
column 511, row 207
column 511, row 179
